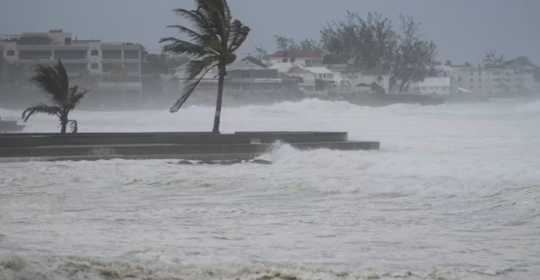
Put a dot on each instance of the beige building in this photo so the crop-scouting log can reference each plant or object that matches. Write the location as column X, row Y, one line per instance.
column 77, row 56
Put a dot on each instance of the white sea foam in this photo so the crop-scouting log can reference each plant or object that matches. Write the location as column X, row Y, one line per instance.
column 453, row 194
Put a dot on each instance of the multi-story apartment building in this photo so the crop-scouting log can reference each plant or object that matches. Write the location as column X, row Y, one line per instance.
column 99, row 58
column 492, row 79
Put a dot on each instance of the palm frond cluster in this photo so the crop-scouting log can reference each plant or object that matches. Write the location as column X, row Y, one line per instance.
column 214, row 38
column 54, row 82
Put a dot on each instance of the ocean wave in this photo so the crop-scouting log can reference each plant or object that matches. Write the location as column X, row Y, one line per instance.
column 78, row 268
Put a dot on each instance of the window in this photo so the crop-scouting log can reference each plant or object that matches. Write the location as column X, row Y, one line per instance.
column 131, row 54
column 111, row 54
column 11, row 53
column 94, row 52
column 95, row 66
column 131, row 67
column 480, row 80
column 70, row 54
column 67, row 41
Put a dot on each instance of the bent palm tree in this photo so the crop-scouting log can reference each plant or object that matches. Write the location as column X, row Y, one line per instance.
column 54, row 82
column 215, row 39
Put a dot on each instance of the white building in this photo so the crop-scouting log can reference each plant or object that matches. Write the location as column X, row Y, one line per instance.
column 77, row 56
column 307, row 58
column 351, row 73
column 374, row 76
column 298, row 70
column 335, row 81
column 491, row 80
column 434, row 86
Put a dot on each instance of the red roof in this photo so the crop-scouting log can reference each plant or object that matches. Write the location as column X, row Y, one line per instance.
column 295, row 54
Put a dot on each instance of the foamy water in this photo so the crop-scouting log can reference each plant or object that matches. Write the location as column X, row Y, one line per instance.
column 453, row 194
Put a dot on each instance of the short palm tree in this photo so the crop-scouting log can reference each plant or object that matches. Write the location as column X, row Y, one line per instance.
column 117, row 74
column 54, row 82
column 215, row 38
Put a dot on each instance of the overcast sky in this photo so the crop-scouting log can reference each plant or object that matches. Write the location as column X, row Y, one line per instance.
column 463, row 29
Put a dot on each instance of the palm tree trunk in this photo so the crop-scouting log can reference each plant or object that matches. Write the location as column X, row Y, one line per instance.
column 219, row 98
column 64, row 127
column 63, row 123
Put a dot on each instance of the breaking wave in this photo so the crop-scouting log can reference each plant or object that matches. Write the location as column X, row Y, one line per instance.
column 454, row 193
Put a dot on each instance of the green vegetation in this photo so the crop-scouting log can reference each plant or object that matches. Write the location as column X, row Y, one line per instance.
column 54, row 82
column 215, row 38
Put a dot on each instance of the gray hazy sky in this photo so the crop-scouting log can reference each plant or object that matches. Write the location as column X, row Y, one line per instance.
column 463, row 29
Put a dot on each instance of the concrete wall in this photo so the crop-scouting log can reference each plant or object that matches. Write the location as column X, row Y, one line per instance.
column 20, row 140
column 232, row 151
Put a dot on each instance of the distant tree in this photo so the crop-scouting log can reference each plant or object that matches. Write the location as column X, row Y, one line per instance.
column 448, row 63
column 492, row 56
column 284, row 44
column 117, row 74
column 330, row 59
column 320, row 85
column 344, row 86
column 31, row 67
column 215, row 40
column 414, row 58
column 54, row 82
column 468, row 64
column 162, row 63
column 14, row 75
column 313, row 45
column 4, row 72
column 259, row 53
column 86, row 80
column 373, row 44
column 365, row 43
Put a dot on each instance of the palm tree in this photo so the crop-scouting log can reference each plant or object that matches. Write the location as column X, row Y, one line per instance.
column 117, row 74
column 215, row 38
column 31, row 67
column 86, row 80
column 54, row 82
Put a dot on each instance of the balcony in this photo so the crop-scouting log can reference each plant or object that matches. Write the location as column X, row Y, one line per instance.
column 112, row 54
column 35, row 55
column 70, row 54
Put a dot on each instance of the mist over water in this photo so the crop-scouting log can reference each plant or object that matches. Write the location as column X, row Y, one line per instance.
column 454, row 193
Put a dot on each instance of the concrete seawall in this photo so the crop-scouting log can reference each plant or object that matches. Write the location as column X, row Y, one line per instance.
column 242, row 145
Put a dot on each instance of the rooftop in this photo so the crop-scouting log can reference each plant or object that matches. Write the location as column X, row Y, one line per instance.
column 320, row 70
column 295, row 54
column 435, row 82
column 345, row 68
column 285, row 67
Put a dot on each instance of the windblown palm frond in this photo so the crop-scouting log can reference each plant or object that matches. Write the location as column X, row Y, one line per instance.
column 53, row 81
column 75, row 97
column 199, row 21
column 196, row 69
column 211, row 44
column 239, row 34
column 41, row 109
column 218, row 16
column 181, row 47
column 214, row 39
